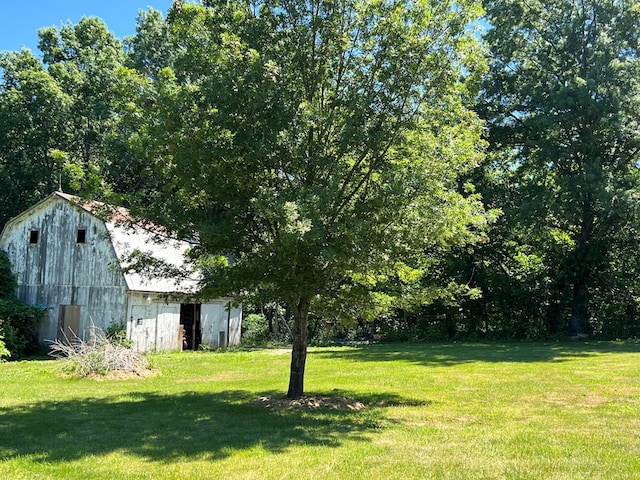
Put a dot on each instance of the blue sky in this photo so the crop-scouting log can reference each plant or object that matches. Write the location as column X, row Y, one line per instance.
column 20, row 20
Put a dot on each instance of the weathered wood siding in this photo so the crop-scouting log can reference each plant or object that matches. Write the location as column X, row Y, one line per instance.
column 235, row 328
column 58, row 271
column 153, row 323
column 214, row 317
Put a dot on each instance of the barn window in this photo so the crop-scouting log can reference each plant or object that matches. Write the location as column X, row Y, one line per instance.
column 33, row 237
column 82, row 235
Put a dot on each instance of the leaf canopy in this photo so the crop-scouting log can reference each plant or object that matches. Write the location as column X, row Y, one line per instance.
column 316, row 143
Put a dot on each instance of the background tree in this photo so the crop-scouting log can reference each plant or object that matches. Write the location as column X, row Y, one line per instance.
column 148, row 52
column 34, row 111
column 84, row 60
column 58, row 115
column 563, row 101
column 316, row 143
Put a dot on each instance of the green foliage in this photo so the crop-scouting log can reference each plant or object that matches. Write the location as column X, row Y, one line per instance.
column 58, row 115
column 4, row 352
column 17, row 325
column 276, row 210
column 17, row 320
column 83, row 60
column 33, row 112
column 562, row 100
column 269, row 323
column 116, row 333
column 255, row 329
column 7, row 278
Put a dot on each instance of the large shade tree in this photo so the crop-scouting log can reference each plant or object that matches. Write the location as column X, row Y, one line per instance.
column 310, row 148
column 563, row 102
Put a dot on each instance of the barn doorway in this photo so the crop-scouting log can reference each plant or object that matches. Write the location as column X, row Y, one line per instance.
column 190, row 326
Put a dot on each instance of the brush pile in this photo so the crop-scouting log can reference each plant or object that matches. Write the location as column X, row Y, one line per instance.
column 101, row 355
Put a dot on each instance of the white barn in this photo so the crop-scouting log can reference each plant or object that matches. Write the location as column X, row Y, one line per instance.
column 71, row 262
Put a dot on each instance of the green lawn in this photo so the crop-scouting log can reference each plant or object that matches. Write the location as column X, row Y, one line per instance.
column 461, row 411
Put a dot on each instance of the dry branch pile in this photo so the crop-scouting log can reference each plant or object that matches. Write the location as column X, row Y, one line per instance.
column 100, row 355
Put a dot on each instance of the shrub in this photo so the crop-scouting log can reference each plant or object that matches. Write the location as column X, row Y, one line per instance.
column 17, row 319
column 98, row 356
column 117, row 334
column 255, row 329
column 17, row 326
column 7, row 278
column 3, row 349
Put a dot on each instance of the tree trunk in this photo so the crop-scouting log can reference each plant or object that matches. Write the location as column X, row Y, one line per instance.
column 300, row 309
column 585, row 256
column 579, row 309
column 554, row 318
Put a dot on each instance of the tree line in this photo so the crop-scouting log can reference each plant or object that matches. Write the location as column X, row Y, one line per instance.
column 443, row 169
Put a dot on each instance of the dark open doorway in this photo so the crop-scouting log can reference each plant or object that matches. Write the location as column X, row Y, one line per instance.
column 190, row 323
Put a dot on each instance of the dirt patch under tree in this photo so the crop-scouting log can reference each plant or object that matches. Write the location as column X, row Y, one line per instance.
column 308, row 402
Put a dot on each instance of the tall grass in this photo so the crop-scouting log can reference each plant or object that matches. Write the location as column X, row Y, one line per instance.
column 494, row 411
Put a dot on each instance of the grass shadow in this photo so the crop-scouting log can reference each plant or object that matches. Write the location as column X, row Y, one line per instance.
column 459, row 353
column 165, row 428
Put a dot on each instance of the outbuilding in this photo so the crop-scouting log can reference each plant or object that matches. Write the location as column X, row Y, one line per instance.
column 73, row 259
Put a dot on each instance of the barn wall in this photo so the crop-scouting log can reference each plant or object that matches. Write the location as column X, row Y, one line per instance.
column 153, row 323
column 235, row 326
column 214, row 318
column 58, row 271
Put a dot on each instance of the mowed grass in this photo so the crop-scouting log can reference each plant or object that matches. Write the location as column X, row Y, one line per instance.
column 460, row 411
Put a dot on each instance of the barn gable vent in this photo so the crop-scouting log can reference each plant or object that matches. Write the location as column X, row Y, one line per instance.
column 34, row 236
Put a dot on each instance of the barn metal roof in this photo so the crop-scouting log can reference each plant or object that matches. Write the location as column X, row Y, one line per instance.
column 161, row 267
